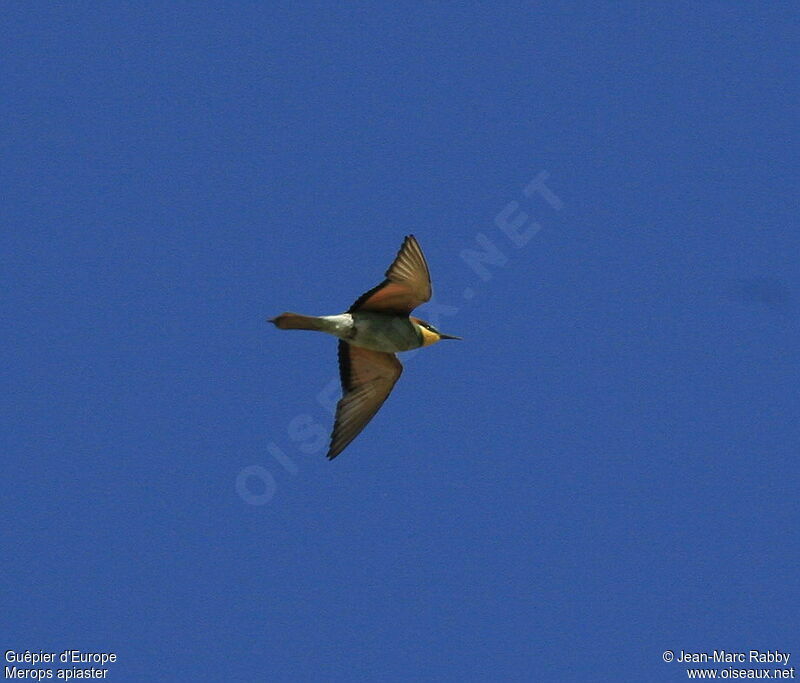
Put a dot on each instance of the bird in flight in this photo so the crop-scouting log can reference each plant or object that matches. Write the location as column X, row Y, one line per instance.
column 373, row 330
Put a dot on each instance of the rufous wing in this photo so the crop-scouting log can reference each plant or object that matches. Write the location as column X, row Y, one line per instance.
column 367, row 380
column 407, row 284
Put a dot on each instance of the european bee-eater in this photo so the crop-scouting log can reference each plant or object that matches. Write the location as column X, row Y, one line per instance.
column 376, row 326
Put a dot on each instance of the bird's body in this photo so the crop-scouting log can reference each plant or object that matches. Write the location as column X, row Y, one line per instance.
column 377, row 326
column 375, row 331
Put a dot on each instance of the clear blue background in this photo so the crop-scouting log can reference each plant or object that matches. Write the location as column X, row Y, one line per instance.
column 606, row 467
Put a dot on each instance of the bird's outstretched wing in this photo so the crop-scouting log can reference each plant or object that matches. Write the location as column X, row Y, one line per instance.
column 367, row 379
column 407, row 284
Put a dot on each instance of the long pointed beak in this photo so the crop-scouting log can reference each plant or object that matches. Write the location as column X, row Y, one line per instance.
column 448, row 336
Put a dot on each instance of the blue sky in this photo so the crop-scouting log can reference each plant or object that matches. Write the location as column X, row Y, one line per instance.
column 604, row 469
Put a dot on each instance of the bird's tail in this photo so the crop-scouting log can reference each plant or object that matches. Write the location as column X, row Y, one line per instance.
column 295, row 321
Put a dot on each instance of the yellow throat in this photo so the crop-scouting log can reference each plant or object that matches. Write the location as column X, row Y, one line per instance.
column 428, row 337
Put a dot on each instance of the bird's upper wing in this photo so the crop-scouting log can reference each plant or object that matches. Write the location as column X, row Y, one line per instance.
column 407, row 284
column 367, row 379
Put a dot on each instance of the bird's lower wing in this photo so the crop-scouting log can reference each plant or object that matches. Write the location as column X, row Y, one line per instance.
column 367, row 380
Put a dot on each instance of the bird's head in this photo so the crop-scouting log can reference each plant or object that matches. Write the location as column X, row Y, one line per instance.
column 430, row 335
